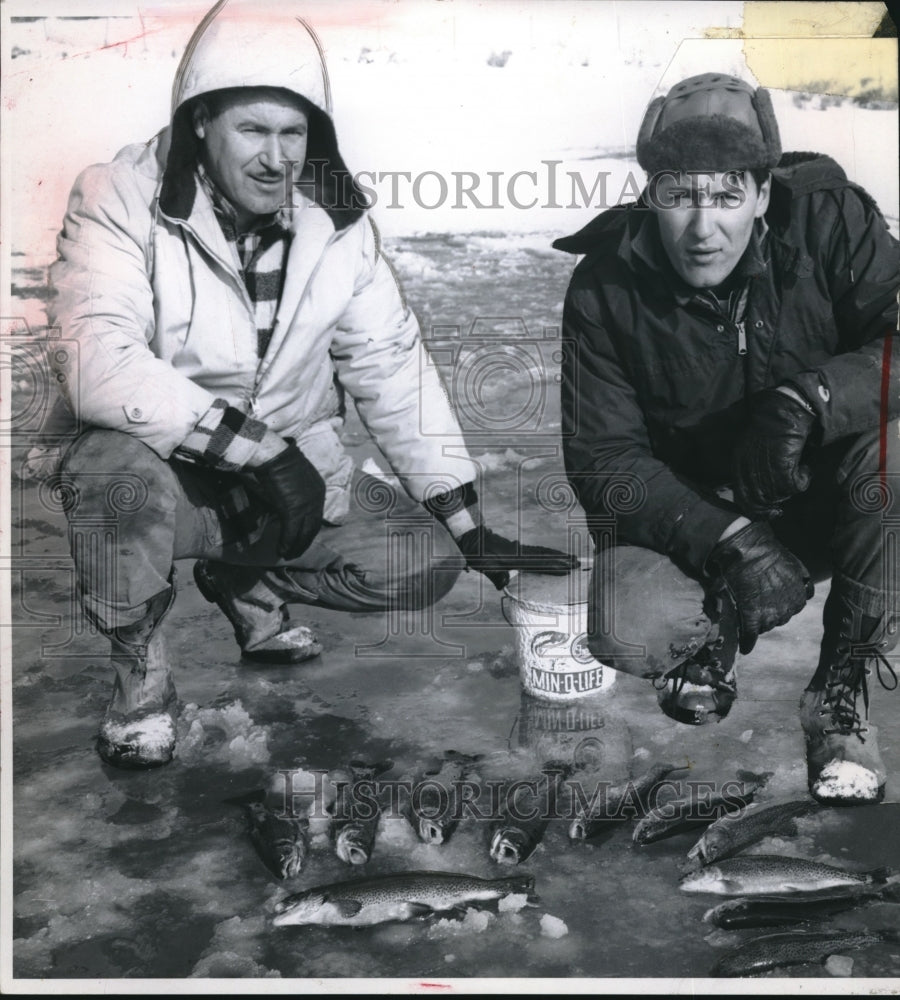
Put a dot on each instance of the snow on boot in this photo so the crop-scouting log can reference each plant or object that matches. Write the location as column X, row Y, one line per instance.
column 844, row 765
column 138, row 728
column 257, row 613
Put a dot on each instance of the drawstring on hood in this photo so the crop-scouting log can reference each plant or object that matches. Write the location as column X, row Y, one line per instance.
column 241, row 43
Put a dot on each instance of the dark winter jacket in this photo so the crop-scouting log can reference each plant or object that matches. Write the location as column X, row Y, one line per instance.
column 657, row 377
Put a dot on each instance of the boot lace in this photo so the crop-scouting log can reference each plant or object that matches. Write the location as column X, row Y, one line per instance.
column 702, row 668
column 849, row 679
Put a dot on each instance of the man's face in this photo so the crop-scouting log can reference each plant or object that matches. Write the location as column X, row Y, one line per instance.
column 705, row 221
column 244, row 143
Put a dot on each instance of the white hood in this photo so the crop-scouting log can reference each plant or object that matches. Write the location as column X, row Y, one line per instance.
column 240, row 43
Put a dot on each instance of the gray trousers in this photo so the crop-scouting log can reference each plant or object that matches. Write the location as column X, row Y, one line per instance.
column 646, row 616
column 142, row 513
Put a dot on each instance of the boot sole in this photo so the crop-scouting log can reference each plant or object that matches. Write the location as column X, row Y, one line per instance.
column 272, row 657
column 130, row 760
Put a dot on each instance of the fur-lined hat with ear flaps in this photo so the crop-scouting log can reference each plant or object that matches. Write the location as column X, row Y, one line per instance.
column 709, row 122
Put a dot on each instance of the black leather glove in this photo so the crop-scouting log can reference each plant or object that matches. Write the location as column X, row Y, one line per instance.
column 767, row 467
column 495, row 556
column 766, row 581
column 293, row 486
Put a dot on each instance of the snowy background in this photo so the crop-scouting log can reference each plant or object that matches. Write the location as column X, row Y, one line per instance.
column 418, row 86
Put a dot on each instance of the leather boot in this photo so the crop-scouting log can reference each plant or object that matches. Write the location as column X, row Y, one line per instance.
column 844, row 766
column 704, row 687
column 138, row 728
column 257, row 613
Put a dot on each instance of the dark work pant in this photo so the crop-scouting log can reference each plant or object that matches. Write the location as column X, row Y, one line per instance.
column 646, row 616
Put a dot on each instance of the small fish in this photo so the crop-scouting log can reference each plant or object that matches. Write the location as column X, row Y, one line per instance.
column 773, row 911
column 520, row 827
column 611, row 805
column 282, row 842
column 775, row 950
column 699, row 807
column 356, row 812
column 732, row 833
column 430, row 808
column 770, row 874
column 401, row 896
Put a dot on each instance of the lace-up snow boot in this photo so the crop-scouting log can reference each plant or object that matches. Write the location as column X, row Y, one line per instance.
column 703, row 688
column 843, row 763
column 138, row 729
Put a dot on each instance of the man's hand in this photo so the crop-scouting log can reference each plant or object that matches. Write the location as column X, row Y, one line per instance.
column 766, row 581
column 293, row 486
column 767, row 467
column 496, row 556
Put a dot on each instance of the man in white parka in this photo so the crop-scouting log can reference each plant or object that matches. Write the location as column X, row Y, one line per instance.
column 219, row 324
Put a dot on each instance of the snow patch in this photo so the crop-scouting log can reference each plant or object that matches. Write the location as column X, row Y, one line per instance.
column 839, row 965
column 513, row 902
column 845, row 779
column 228, row 964
column 474, row 922
column 242, row 743
column 553, row 927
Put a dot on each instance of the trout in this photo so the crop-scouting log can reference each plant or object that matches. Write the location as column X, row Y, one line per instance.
column 773, row 911
column 769, row 874
column 401, row 896
column 773, row 951
column 282, row 842
column 430, row 812
column 695, row 809
column 732, row 833
column 612, row 805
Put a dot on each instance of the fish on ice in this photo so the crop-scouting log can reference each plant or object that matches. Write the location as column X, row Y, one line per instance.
column 773, row 951
column 772, row 874
column 399, row 896
column 430, row 810
column 775, row 911
column 529, row 805
column 732, row 833
column 357, row 811
column 281, row 839
column 697, row 808
column 611, row 805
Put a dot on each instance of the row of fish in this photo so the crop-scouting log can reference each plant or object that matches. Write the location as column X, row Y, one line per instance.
column 767, row 890
column 775, row 890
column 779, row 891
column 517, row 827
column 354, row 808
column 283, row 843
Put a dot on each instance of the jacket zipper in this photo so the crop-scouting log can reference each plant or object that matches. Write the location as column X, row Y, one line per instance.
column 260, row 372
column 742, row 338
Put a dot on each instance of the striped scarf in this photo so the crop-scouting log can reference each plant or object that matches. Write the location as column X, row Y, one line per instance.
column 259, row 255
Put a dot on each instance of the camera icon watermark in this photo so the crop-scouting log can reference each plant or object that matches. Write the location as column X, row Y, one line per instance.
column 500, row 377
column 33, row 374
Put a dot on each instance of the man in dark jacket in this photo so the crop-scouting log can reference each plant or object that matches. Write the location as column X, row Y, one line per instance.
column 730, row 425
